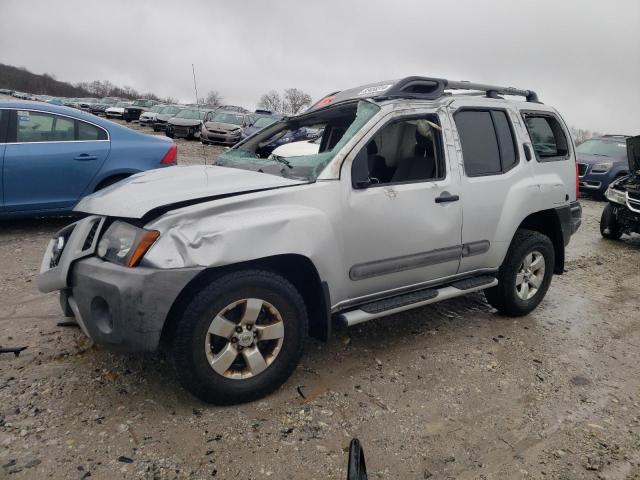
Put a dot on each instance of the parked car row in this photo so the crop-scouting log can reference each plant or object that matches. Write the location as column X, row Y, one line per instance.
column 226, row 124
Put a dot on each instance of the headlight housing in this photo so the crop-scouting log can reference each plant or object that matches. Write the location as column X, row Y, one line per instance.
column 125, row 244
column 603, row 167
column 615, row 196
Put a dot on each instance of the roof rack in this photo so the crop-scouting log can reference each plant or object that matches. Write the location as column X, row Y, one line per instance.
column 432, row 88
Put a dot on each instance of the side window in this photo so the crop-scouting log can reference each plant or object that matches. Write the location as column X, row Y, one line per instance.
column 405, row 151
column 549, row 140
column 43, row 127
column 86, row 131
column 488, row 145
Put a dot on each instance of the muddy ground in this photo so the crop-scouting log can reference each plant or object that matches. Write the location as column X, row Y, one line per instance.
column 453, row 390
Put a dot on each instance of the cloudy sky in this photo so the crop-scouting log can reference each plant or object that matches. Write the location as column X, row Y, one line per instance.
column 581, row 56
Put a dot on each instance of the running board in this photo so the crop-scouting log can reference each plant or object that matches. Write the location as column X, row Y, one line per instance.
column 419, row 298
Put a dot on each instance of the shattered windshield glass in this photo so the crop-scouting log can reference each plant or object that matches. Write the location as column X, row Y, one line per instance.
column 333, row 127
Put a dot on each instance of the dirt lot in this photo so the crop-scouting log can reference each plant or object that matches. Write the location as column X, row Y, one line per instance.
column 447, row 391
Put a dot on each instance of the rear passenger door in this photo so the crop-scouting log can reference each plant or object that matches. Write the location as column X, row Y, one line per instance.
column 50, row 160
column 493, row 185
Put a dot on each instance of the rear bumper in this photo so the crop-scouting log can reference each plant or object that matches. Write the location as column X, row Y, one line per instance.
column 570, row 217
column 123, row 308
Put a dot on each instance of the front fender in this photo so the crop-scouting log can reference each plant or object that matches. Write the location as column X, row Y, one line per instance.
column 221, row 235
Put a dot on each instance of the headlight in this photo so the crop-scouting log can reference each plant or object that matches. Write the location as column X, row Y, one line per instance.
column 615, row 196
column 125, row 244
column 601, row 167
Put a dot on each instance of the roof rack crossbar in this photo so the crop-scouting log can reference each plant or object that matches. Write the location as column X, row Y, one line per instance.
column 492, row 90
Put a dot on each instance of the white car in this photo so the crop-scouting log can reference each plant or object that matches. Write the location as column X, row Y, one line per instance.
column 297, row 149
column 148, row 118
column 117, row 111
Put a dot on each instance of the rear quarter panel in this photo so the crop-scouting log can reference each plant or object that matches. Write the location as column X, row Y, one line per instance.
column 131, row 152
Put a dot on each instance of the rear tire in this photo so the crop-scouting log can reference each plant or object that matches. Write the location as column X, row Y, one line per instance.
column 168, row 134
column 609, row 226
column 524, row 276
column 219, row 323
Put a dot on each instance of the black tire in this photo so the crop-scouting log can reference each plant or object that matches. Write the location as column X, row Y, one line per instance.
column 190, row 359
column 156, row 129
column 504, row 296
column 169, row 134
column 609, row 226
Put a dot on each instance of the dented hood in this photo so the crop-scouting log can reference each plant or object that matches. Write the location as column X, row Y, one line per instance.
column 175, row 187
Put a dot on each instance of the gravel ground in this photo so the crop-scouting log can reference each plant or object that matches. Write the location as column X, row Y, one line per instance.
column 452, row 390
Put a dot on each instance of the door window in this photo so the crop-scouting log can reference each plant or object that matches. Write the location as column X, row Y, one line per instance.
column 488, row 145
column 404, row 151
column 549, row 140
column 43, row 127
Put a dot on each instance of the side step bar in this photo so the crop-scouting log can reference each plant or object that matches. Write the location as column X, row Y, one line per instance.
column 407, row 301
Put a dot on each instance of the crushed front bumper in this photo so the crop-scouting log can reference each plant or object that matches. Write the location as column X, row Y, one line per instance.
column 120, row 307
column 123, row 308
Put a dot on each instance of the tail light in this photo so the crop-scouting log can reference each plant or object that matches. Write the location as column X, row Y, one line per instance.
column 171, row 157
column 577, row 182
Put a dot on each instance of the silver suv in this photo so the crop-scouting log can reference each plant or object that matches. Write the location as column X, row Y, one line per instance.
column 420, row 190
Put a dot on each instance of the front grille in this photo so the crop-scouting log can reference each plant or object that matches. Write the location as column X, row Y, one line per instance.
column 634, row 195
column 181, row 130
column 634, row 204
column 582, row 169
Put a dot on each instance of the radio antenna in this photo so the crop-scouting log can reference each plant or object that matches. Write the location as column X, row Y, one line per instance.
column 195, row 87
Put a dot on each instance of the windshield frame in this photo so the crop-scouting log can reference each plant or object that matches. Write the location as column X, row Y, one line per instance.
column 366, row 112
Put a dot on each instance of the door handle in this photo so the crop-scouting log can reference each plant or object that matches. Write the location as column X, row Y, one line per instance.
column 85, row 156
column 446, row 197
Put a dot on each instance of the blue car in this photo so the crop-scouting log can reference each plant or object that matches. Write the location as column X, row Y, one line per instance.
column 600, row 161
column 51, row 156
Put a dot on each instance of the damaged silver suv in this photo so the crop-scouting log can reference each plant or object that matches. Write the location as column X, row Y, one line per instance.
column 420, row 190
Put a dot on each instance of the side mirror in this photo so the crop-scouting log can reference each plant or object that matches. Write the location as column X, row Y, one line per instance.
column 357, row 468
column 360, row 170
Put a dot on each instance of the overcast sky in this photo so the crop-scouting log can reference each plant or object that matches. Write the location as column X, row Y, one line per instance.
column 583, row 57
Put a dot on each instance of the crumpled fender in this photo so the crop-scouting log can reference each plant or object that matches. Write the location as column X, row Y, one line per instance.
column 241, row 229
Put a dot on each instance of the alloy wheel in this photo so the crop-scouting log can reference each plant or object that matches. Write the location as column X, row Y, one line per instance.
column 530, row 275
column 244, row 338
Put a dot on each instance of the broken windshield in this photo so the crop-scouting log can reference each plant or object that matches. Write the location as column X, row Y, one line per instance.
column 333, row 126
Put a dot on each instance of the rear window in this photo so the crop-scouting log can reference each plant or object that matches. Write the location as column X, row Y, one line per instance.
column 548, row 139
column 43, row 127
column 488, row 146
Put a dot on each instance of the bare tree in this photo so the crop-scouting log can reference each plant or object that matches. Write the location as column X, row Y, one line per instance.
column 213, row 98
column 272, row 101
column 295, row 100
column 580, row 134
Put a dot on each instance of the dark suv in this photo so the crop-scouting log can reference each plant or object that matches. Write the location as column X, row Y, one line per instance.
column 601, row 160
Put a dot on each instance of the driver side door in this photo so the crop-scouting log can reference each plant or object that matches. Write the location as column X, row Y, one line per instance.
column 403, row 224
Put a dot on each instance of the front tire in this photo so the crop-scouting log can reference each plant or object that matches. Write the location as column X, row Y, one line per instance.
column 240, row 337
column 609, row 226
column 524, row 276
